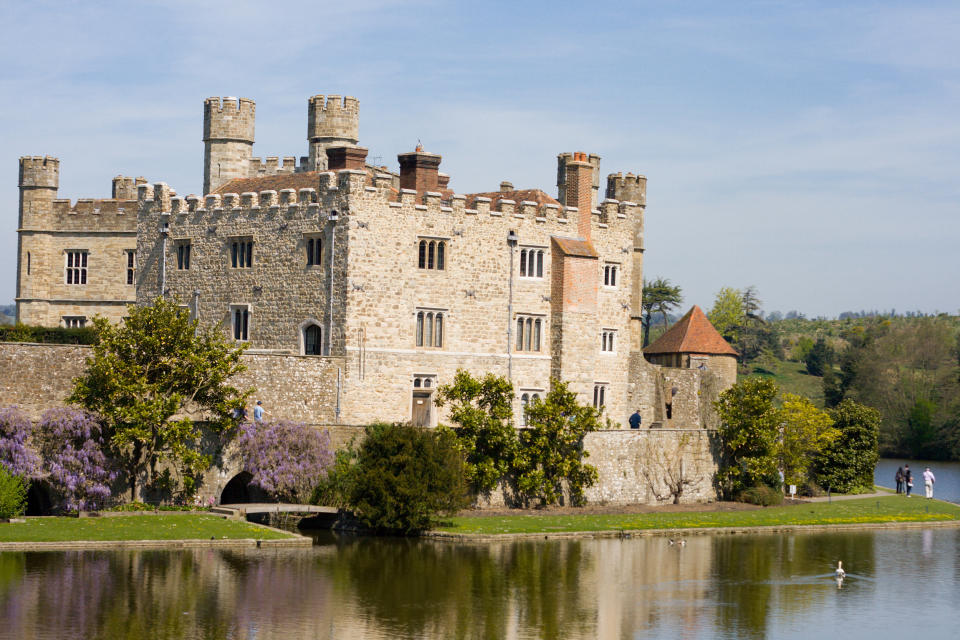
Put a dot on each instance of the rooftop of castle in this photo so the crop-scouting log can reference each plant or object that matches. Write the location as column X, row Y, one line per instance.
column 517, row 195
column 693, row 333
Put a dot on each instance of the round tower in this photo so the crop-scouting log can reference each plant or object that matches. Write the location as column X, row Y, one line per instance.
column 227, row 140
column 332, row 121
column 39, row 181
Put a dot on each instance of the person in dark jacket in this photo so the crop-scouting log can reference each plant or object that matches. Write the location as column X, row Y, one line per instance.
column 908, row 478
column 899, row 478
column 635, row 420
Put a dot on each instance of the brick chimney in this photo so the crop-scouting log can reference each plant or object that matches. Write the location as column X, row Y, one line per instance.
column 419, row 171
column 443, row 180
column 506, row 186
column 578, row 191
column 346, row 158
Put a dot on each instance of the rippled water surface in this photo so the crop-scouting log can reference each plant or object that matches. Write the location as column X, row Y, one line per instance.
column 901, row 584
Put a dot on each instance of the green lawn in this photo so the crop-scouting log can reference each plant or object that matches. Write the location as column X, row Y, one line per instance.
column 158, row 527
column 885, row 509
column 792, row 377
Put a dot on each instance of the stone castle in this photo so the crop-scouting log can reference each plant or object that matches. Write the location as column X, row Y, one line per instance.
column 360, row 289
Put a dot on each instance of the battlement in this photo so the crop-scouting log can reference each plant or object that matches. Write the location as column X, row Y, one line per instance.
column 39, row 172
column 125, row 187
column 627, row 187
column 333, row 116
column 272, row 165
column 229, row 119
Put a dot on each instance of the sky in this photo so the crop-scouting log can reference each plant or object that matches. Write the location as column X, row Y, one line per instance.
column 808, row 149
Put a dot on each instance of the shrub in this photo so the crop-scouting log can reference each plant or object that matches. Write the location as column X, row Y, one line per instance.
column 405, row 477
column 13, row 494
column 50, row 335
column 848, row 463
column 15, row 450
column 286, row 459
column 763, row 495
column 72, row 446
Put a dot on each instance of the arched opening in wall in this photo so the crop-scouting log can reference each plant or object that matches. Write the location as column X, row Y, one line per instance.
column 240, row 491
column 39, row 499
column 313, row 341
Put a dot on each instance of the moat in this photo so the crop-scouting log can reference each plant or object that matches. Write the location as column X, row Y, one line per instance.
column 900, row 583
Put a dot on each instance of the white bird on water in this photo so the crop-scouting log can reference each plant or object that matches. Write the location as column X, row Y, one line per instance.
column 841, row 574
column 681, row 542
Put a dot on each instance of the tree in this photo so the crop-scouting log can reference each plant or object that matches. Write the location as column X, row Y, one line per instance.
column 71, row 444
column 482, row 411
column 805, row 432
column 286, row 459
column 16, row 454
column 13, row 494
column 847, row 464
column 405, row 477
column 659, row 296
column 818, row 358
column 144, row 374
column 727, row 314
column 749, row 428
column 551, row 449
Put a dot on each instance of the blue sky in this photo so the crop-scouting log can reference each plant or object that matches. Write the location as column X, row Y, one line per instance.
column 806, row 148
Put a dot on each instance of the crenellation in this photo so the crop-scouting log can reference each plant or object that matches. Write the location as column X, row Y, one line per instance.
column 213, row 201
column 288, row 196
column 268, row 198
column 231, row 201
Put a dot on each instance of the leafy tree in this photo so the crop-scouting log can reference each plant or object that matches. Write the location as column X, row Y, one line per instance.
column 921, row 431
column 749, row 427
column 144, row 373
column 801, row 349
column 16, row 454
column 805, row 432
column 13, row 494
column 818, row 358
column 551, row 449
column 286, row 459
column 482, row 411
column 659, row 296
column 847, row 464
column 727, row 314
column 71, row 444
column 405, row 477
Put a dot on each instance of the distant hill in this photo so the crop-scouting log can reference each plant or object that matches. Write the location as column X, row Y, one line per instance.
column 8, row 313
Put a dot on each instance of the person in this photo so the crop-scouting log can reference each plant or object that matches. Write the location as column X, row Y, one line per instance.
column 928, row 481
column 908, row 478
column 258, row 411
column 899, row 478
column 240, row 414
column 636, row 419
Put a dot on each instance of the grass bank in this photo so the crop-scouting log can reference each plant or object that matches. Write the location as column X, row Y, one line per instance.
column 140, row 527
column 841, row 512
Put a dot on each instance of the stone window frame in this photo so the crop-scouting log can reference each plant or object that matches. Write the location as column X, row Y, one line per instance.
column 430, row 327
column 608, row 341
column 433, row 253
column 74, row 322
column 424, row 381
column 530, row 329
column 241, row 321
column 313, row 247
column 601, row 393
column 611, row 271
column 532, row 258
column 131, row 255
column 184, row 249
column 527, row 396
column 302, row 333
column 75, row 263
column 241, row 252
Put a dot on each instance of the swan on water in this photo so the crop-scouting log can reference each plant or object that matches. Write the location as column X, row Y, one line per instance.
column 841, row 574
column 680, row 542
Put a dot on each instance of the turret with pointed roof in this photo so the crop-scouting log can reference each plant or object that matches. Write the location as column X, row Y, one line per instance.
column 693, row 343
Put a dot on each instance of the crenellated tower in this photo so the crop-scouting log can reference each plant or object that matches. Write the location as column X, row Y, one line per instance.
column 627, row 188
column 633, row 188
column 562, row 179
column 39, row 182
column 228, row 133
column 332, row 121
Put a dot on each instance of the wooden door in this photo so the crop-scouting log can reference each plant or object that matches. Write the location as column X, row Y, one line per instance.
column 421, row 409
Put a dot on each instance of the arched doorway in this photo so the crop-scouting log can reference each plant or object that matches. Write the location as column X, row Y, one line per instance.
column 240, row 491
column 39, row 500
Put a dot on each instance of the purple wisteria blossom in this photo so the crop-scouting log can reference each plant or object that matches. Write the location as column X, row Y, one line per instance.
column 286, row 459
column 71, row 444
column 16, row 454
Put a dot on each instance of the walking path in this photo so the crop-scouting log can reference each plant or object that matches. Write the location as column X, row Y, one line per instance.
column 855, row 496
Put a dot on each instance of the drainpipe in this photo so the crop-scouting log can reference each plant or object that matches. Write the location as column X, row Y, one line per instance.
column 511, row 243
column 333, row 246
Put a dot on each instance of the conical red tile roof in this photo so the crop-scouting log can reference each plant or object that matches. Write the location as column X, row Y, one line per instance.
column 692, row 333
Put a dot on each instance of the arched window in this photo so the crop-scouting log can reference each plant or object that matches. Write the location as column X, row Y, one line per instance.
column 536, row 334
column 539, row 264
column 524, row 403
column 428, row 330
column 440, row 249
column 313, row 340
column 528, row 337
column 420, row 329
column 416, row 383
column 438, row 331
column 523, row 263
column 430, row 251
column 528, row 333
column 519, row 334
column 422, row 262
column 314, row 251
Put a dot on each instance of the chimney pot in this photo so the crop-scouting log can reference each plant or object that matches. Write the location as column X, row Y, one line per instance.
column 506, row 186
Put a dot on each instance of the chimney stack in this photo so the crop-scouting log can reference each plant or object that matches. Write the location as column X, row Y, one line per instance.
column 506, row 186
column 578, row 191
column 419, row 170
column 443, row 180
column 346, row 158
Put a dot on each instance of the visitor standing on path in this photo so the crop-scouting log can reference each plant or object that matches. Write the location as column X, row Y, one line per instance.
column 899, row 478
column 258, row 411
column 928, row 481
column 908, row 478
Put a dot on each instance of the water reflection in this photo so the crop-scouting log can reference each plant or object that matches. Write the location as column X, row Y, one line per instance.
column 714, row 587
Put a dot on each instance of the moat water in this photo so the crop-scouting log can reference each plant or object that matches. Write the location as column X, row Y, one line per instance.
column 900, row 584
